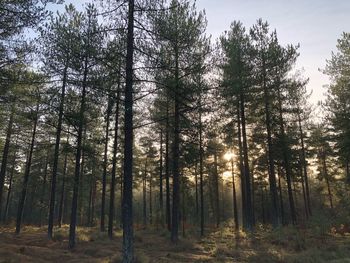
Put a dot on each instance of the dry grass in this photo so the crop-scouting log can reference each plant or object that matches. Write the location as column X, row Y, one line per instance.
column 286, row 244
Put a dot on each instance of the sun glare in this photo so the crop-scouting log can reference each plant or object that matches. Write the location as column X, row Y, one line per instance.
column 228, row 156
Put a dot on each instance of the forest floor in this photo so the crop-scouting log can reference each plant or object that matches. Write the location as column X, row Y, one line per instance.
column 287, row 244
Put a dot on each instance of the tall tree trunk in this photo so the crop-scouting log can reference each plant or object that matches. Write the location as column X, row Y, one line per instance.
column 60, row 210
column 5, row 154
column 303, row 158
column 81, row 182
column 303, row 189
column 81, row 121
column 43, row 189
column 9, row 191
column 286, row 156
column 128, row 247
column 150, row 200
column 105, row 164
column 248, row 195
column 27, row 173
column 263, row 205
column 144, row 195
column 114, row 166
column 201, row 192
column 183, row 213
column 56, row 155
column 196, row 190
column 272, row 176
column 281, row 194
column 167, row 175
column 326, row 176
column 161, row 176
column 93, row 202
column 235, row 209
column 241, row 167
column 176, row 154
column 217, row 198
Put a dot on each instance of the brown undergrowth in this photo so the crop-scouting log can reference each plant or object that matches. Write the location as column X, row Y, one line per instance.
column 285, row 244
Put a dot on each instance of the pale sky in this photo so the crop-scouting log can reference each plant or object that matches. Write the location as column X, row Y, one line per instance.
column 315, row 24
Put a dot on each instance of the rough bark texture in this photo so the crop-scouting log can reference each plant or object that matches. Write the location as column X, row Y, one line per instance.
column 5, row 155
column 27, row 173
column 56, row 156
column 128, row 246
column 111, row 213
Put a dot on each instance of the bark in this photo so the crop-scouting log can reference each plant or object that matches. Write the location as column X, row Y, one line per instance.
column 105, row 164
column 9, row 191
column 281, row 195
column 248, row 195
column 196, row 190
column 73, row 217
column 326, row 176
column 27, row 173
column 217, row 199
column 167, row 175
column 56, row 155
column 43, row 190
column 128, row 248
column 81, row 182
column 235, row 209
column 144, row 195
column 161, row 176
column 61, row 205
column 286, row 163
column 241, row 167
column 272, row 175
column 304, row 192
column 176, row 154
column 114, row 167
column 150, row 200
column 201, row 192
column 303, row 158
column 5, row 154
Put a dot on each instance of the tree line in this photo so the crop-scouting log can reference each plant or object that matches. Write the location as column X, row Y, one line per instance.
column 126, row 114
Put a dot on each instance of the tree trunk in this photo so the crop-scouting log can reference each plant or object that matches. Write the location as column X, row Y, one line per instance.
column 7, row 205
column 43, row 190
column 56, row 155
column 150, row 200
column 281, row 195
column 196, row 190
column 241, row 167
column 235, row 209
column 216, row 181
column 167, row 175
column 161, row 177
column 128, row 248
column 114, row 166
column 286, row 163
column 248, row 195
column 303, row 158
column 27, row 173
column 60, row 210
column 272, row 176
column 144, row 195
column 325, row 172
column 304, row 192
column 201, row 167
column 5, row 154
column 73, row 217
column 105, row 164
column 81, row 182
column 176, row 154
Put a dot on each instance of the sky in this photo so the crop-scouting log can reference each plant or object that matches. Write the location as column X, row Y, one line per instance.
column 314, row 24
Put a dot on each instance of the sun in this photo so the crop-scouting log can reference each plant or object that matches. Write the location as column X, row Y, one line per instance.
column 229, row 155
